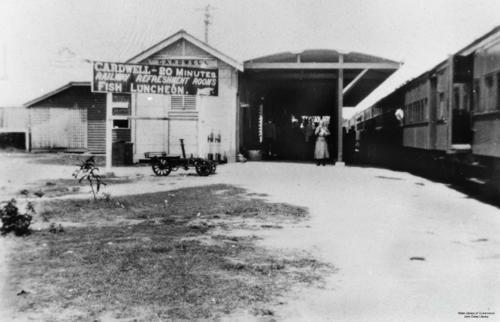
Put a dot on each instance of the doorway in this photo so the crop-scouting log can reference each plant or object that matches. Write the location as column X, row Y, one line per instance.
column 282, row 115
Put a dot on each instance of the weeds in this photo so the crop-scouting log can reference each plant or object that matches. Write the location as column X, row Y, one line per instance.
column 106, row 197
column 55, row 229
column 13, row 221
column 88, row 172
column 45, row 215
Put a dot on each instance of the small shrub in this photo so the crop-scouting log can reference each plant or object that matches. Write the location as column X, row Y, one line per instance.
column 45, row 215
column 39, row 193
column 56, row 229
column 106, row 197
column 88, row 172
column 13, row 221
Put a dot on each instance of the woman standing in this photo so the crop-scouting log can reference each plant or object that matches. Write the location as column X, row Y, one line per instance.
column 321, row 149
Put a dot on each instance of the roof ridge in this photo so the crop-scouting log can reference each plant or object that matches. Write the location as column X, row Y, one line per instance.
column 56, row 91
column 183, row 34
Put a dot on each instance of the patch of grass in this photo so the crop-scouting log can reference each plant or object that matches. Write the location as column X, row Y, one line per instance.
column 153, row 264
column 62, row 187
column 63, row 158
column 180, row 205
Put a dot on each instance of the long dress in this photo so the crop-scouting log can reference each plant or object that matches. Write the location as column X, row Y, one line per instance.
column 321, row 148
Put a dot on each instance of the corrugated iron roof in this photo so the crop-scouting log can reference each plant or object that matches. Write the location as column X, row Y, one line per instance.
column 319, row 56
column 56, row 91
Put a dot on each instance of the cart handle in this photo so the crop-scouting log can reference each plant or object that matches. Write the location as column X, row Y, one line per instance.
column 182, row 147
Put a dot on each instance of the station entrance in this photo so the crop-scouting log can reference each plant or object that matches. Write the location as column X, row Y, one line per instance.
column 282, row 116
column 290, row 115
column 284, row 97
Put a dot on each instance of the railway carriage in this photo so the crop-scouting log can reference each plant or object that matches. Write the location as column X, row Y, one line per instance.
column 449, row 122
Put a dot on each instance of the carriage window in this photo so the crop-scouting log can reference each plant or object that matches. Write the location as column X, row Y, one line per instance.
column 498, row 91
column 476, row 96
column 488, row 82
column 442, row 107
column 426, row 110
column 465, row 98
column 415, row 112
column 456, row 97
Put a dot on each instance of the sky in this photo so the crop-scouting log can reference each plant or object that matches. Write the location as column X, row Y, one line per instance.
column 46, row 43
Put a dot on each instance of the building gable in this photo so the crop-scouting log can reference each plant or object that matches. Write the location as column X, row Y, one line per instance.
column 183, row 46
column 182, row 52
column 70, row 95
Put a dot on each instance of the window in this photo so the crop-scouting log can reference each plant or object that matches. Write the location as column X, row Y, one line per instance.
column 476, row 96
column 121, row 97
column 415, row 112
column 442, row 107
column 489, row 99
column 120, row 124
column 498, row 92
column 183, row 102
column 456, row 97
column 488, row 80
column 426, row 110
column 120, row 111
column 466, row 97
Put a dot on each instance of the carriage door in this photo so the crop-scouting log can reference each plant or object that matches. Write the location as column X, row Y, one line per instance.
column 433, row 107
column 462, row 99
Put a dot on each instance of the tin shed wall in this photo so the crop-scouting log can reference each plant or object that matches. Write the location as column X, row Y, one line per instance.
column 58, row 128
column 53, row 126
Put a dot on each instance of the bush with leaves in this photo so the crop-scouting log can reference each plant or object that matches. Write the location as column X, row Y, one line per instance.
column 13, row 221
column 88, row 172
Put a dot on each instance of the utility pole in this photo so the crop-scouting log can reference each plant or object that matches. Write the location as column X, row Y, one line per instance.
column 208, row 18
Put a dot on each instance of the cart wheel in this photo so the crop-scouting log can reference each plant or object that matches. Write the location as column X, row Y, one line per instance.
column 161, row 167
column 213, row 167
column 203, row 169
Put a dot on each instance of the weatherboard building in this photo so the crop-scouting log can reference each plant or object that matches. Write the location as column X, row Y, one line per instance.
column 183, row 88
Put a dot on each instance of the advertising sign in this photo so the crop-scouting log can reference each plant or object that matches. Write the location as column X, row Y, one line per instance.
column 154, row 79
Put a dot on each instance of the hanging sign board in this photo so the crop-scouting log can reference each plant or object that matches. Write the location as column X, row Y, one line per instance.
column 153, row 79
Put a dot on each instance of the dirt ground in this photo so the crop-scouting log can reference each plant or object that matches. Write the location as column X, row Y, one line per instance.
column 406, row 249
column 159, row 256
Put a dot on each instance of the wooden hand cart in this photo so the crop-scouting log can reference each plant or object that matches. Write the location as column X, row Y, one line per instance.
column 162, row 164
